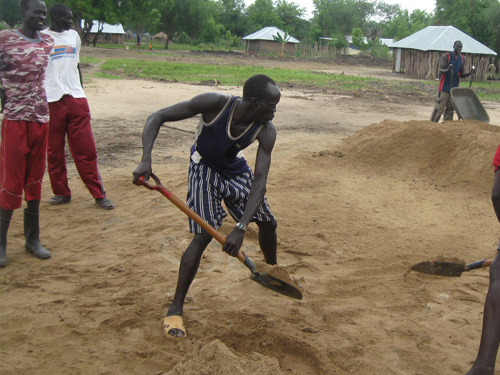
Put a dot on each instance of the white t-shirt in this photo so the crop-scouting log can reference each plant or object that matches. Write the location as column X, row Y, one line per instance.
column 62, row 77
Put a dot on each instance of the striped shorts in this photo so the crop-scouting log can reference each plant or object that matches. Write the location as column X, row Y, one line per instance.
column 207, row 189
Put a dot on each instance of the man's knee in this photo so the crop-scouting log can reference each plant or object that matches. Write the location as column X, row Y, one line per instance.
column 268, row 225
column 201, row 240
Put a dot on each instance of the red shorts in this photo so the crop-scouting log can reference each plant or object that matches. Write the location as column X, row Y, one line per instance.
column 23, row 153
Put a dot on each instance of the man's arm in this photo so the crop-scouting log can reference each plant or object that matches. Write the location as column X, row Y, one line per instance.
column 266, row 138
column 80, row 74
column 465, row 75
column 445, row 67
column 495, row 194
column 205, row 104
column 2, row 99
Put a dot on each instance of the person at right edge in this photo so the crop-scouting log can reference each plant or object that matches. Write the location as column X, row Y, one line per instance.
column 490, row 337
column 451, row 70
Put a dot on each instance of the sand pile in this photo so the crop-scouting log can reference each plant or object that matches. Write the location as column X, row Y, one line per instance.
column 215, row 358
column 348, row 230
column 450, row 154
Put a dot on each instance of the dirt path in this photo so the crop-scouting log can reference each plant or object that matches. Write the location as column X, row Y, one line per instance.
column 362, row 190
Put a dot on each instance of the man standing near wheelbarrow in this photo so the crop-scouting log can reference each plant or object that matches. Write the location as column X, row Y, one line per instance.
column 490, row 337
column 218, row 172
column 451, row 70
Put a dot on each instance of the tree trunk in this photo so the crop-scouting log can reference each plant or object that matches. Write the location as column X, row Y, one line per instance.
column 96, row 37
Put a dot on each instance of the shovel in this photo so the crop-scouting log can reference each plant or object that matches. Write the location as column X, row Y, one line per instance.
column 262, row 278
column 449, row 268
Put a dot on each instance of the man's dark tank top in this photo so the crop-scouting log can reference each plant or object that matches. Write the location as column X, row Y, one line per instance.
column 218, row 148
column 451, row 79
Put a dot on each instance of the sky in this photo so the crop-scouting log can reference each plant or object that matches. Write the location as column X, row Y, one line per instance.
column 411, row 5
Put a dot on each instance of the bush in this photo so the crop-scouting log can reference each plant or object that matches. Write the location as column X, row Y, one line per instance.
column 379, row 50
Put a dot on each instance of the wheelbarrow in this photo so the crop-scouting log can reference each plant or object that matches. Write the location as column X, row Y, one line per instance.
column 467, row 105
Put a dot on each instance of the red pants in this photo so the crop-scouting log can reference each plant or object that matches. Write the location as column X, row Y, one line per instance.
column 22, row 162
column 71, row 116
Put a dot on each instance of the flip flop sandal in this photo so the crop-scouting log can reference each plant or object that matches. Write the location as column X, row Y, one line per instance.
column 173, row 322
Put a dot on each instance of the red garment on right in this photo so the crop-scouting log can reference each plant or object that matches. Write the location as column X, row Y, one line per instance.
column 496, row 159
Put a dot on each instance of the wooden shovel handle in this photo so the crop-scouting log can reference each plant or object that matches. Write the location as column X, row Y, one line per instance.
column 478, row 264
column 193, row 215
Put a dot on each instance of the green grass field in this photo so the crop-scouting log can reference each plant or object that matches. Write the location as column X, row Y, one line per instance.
column 236, row 75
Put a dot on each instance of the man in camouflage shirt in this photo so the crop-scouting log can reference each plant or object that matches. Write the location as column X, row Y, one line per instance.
column 24, row 54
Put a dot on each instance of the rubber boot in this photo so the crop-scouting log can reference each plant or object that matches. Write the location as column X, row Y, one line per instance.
column 5, row 217
column 32, row 235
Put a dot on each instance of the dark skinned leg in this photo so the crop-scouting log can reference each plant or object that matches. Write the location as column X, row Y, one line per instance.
column 490, row 337
column 268, row 240
column 5, row 216
column 190, row 262
column 32, row 231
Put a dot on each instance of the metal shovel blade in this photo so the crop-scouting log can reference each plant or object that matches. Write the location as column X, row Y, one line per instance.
column 276, row 284
column 440, row 268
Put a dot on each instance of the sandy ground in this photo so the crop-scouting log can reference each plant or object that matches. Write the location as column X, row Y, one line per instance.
column 362, row 189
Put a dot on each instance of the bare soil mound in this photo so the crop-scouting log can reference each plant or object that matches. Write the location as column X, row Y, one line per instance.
column 454, row 154
column 354, row 214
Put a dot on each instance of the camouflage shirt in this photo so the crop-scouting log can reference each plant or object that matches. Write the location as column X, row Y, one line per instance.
column 22, row 74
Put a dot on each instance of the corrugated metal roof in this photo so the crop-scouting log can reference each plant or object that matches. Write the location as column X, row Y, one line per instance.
column 386, row 42
column 106, row 28
column 441, row 38
column 267, row 33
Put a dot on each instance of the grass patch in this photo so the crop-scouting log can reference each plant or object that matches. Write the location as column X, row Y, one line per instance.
column 89, row 60
column 227, row 74
column 236, row 75
column 159, row 45
column 489, row 90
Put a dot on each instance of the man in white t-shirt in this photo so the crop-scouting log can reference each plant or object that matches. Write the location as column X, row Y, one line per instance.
column 69, row 113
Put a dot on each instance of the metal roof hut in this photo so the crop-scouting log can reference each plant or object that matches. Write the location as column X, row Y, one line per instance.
column 420, row 54
column 262, row 41
column 103, row 32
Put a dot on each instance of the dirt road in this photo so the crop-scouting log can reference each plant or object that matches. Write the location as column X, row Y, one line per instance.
column 362, row 190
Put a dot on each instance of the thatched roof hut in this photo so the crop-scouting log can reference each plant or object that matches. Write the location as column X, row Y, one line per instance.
column 161, row 36
column 420, row 54
column 262, row 41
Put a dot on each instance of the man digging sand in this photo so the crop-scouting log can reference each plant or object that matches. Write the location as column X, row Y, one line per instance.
column 218, row 172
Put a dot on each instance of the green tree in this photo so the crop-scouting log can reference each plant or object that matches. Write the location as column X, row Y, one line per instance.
column 358, row 39
column 292, row 18
column 478, row 18
column 263, row 14
column 196, row 18
column 466, row 15
column 490, row 34
column 9, row 12
column 283, row 39
column 142, row 15
column 339, row 43
column 341, row 16
column 102, row 11
column 231, row 14
column 404, row 24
